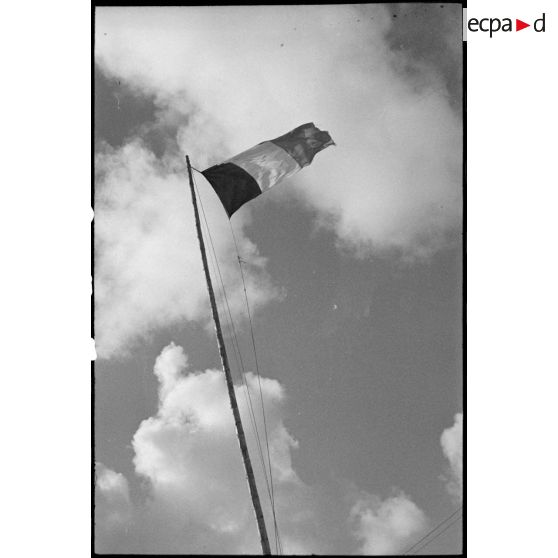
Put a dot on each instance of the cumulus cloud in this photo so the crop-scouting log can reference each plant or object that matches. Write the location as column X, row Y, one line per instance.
column 113, row 511
column 198, row 501
column 452, row 446
column 394, row 179
column 189, row 454
column 385, row 526
column 148, row 271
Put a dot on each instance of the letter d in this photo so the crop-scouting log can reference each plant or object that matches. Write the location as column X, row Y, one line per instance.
column 535, row 25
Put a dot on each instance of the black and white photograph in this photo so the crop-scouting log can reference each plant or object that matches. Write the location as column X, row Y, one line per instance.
column 278, row 279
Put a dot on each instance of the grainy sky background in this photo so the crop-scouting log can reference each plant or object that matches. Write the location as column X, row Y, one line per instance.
column 353, row 268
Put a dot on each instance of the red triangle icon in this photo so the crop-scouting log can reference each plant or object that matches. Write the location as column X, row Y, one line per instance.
column 519, row 25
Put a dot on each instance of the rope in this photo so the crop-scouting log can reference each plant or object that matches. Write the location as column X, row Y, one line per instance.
column 432, row 531
column 259, row 381
column 437, row 535
column 215, row 264
column 236, row 346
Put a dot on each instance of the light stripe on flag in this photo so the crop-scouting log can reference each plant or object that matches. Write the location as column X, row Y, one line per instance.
column 248, row 174
column 266, row 163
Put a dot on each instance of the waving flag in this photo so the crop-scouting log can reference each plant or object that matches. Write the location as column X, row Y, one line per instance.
column 247, row 175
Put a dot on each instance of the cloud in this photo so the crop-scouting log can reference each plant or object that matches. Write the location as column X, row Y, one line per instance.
column 148, row 271
column 113, row 511
column 393, row 182
column 452, row 446
column 241, row 75
column 385, row 526
column 189, row 454
column 197, row 498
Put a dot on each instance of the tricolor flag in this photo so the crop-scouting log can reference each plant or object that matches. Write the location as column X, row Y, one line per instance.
column 247, row 175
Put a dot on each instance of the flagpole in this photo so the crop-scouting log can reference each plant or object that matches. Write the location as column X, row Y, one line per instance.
column 230, row 387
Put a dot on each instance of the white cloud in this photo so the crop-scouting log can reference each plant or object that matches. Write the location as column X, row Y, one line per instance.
column 148, row 271
column 392, row 181
column 190, row 455
column 452, row 446
column 246, row 74
column 113, row 510
column 385, row 526
column 113, row 486
column 198, row 499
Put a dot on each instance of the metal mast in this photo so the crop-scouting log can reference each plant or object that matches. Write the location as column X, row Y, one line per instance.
column 230, row 387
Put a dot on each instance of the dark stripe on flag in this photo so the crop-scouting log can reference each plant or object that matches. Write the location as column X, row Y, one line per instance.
column 233, row 185
column 304, row 142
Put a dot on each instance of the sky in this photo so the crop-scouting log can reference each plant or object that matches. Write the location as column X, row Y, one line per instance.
column 353, row 272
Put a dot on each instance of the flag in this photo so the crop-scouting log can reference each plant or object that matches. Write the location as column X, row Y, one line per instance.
column 252, row 172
